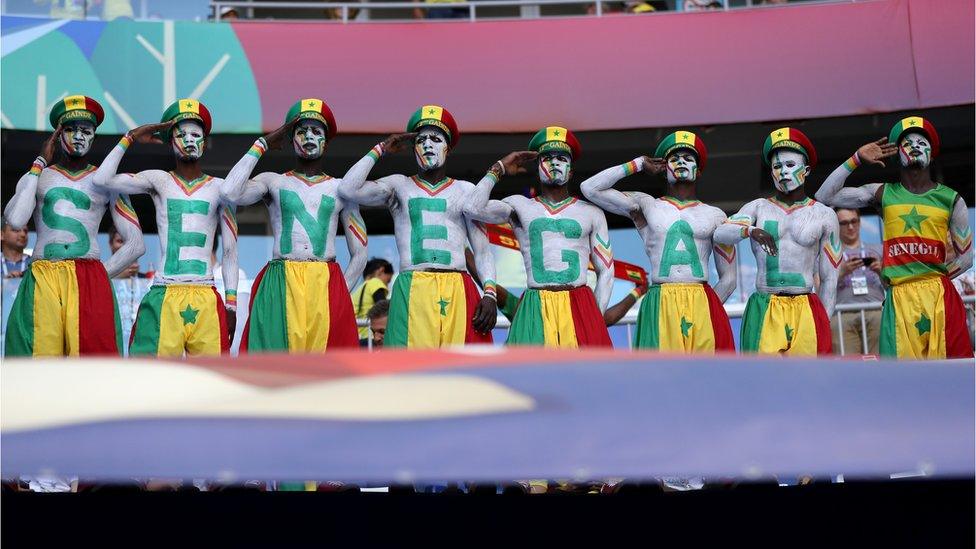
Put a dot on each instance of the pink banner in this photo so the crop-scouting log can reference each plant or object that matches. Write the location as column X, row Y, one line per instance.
column 625, row 71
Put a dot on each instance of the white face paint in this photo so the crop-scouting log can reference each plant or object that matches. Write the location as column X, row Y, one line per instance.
column 682, row 167
column 309, row 139
column 430, row 148
column 914, row 150
column 789, row 169
column 188, row 140
column 77, row 137
column 555, row 168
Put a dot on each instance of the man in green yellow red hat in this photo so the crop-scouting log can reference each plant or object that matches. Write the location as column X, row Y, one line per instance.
column 559, row 236
column 183, row 312
column 300, row 300
column 793, row 237
column 434, row 301
column 923, row 315
column 65, row 305
column 681, row 312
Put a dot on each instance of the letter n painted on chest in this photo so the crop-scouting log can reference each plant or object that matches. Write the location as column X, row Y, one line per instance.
column 420, row 231
column 774, row 277
column 680, row 235
column 177, row 238
column 569, row 228
column 317, row 228
column 54, row 220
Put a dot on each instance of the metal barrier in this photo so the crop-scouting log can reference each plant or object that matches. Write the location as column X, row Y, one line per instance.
column 471, row 7
column 735, row 310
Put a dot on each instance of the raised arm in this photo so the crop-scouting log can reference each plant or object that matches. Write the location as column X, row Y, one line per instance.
column 356, row 239
column 828, row 261
column 477, row 205
column 238, row 187
column 20, row 208
column 833, row 193
column 127, row 224
column 599, row 188
column 486, row 313
column 107, row 176
column 726, row 267
column 961, row 235
column 355, row 188
column 601, row 254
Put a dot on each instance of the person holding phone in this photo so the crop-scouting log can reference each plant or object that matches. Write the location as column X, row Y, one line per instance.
column 858, row 281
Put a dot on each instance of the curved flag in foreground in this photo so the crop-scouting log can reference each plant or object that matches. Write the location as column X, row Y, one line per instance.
column 484, row 414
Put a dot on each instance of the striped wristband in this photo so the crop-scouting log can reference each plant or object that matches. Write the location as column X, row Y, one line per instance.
column 492, row 175
column 125, row 142
column 636, row 293
column 376, row 152
column 258, row 148
column 38, row 166
column 490, row 290
column 633, row 166
column 852, row 163
column 230, row 299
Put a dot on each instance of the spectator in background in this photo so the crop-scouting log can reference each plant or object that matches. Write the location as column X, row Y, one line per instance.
column 638, row 7
column 12, row 243
column 376, row 284
column 378, row 315
column 81, row 9
column 228, row 14
column 701, row 5
column 858, row 281
column 439, row 13
column 115, row 242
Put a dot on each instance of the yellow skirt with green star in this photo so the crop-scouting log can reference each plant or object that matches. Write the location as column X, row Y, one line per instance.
column 794, row 325
column 924, row 319
column 180, row 318
column 432, row 309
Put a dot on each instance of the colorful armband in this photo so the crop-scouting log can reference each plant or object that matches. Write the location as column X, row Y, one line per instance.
column 125, row 142
column 636, row 293
column 38, row 166
column 492, row 175
column 745, row 221
column 490, row 289
column 852, row 163
column 258, row 148
column 376, row 152
column 633, row 166
column 230, row 299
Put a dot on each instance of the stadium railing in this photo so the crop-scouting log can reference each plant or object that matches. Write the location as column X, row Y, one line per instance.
column 472, row 7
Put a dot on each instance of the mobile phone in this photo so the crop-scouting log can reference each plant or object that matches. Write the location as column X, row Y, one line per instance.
column 868, row 261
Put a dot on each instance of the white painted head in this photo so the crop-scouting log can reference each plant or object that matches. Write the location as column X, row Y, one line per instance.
column 77, row 137
column 789, row 169
column 430, row 148
column 915, row 150
column 310, row 139
column 555, row 168
column 188, row 140
column 682, row 166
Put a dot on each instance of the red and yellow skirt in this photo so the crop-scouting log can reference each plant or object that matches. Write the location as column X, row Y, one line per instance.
column 299, row 307
column 924, row 319
column 180, row 317
column 64, row 308
column 566, row 318
column 785, row 324
column 683, row 318
column 432, row 309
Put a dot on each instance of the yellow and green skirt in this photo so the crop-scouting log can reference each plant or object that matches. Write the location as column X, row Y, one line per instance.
column 299, row 307
column 64, row 308
column 565, row 318
column 432, row 309
column 785, row 324
column 683, row 318
column 180, row 317
column 924, row 319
